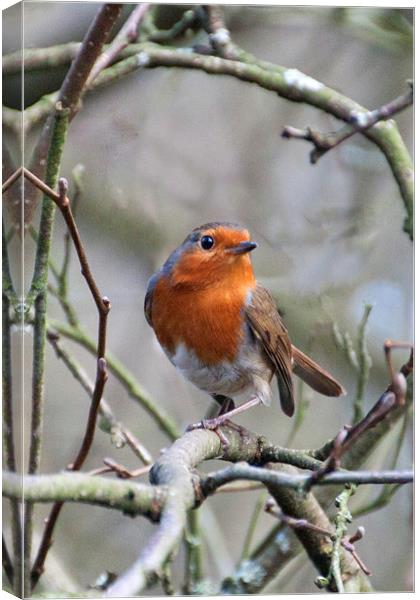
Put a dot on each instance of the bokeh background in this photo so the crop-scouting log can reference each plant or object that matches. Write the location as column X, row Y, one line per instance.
column 165, row 150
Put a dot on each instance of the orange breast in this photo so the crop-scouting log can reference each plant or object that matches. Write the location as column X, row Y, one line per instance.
column 208, row 321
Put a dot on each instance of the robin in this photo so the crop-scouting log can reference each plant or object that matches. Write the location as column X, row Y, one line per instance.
column 221, row 329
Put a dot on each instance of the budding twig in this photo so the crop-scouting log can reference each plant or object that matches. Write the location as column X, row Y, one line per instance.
column 392, row 398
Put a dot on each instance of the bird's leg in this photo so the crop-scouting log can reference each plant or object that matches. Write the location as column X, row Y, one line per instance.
column 214, row 424
column 225, row 403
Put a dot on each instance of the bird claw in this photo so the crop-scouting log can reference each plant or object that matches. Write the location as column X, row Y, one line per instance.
column 214, row 425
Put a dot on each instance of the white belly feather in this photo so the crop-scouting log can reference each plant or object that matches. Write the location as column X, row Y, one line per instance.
column 249, row 372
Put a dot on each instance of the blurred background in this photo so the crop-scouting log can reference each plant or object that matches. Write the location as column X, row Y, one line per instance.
column 165, row 150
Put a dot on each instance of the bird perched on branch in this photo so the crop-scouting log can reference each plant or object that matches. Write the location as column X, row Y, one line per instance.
column 221, row 329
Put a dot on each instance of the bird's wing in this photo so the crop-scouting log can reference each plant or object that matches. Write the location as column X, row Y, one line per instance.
column 148, row 300
column 266, row 324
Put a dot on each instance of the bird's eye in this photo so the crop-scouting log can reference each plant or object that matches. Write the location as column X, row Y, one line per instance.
column 207, row 242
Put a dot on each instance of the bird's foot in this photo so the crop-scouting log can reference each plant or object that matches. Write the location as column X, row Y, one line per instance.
column 214, row 425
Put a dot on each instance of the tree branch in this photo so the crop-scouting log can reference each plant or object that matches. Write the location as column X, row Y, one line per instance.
column 360, row 121
column 287, row 83
column 127, row 34
column 131, row 498
column 242, row 471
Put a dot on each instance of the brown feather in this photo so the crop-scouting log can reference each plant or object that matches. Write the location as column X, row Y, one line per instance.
column 267, row 326
column 314, row 375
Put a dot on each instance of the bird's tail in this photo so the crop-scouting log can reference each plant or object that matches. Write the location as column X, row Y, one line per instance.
column 314, row 375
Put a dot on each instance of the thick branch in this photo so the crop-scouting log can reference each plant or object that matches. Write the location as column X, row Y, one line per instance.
column 131, row 498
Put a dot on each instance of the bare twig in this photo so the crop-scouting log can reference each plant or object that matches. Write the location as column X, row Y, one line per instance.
column 359, row 121
column 359, row 359
column 164, row 421
column 126, row 35
column 341, row 520
column 10, row 298
column 71, row 91
column 188, row 20
column 37, row 296
column 103, row 307
column 219, row 35
column 63, row 203
column 272, row 508
column 62, row 276
column 7, row 561
column 246, row 548
column 392, row 398
column 11, row 180
column 79, row 72
column 120, row 434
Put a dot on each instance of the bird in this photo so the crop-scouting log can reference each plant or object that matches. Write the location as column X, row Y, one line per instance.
column 221, row 329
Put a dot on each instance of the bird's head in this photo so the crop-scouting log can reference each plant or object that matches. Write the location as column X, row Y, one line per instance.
column 213, row 254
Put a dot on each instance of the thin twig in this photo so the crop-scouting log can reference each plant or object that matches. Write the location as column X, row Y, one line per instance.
column 7, row 561
column 341, row 521
column 364, row 365
column 11, row 180
column 194, row 553
column 164, row 421
column 126, row 35
column 359, row 121
column 71, row 91
column 63, row 203
column 259, row 505
column 388, row 491
column 37, row 295
column 391, row 399
column 239, row 486
column 9, row 297
column 337, row 537
column 63, row 274
column 188, row 20
column 103, row 306
column 219, row 35
column 272, row 508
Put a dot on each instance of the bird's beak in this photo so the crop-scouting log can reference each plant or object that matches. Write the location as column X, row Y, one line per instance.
column 242, row 248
